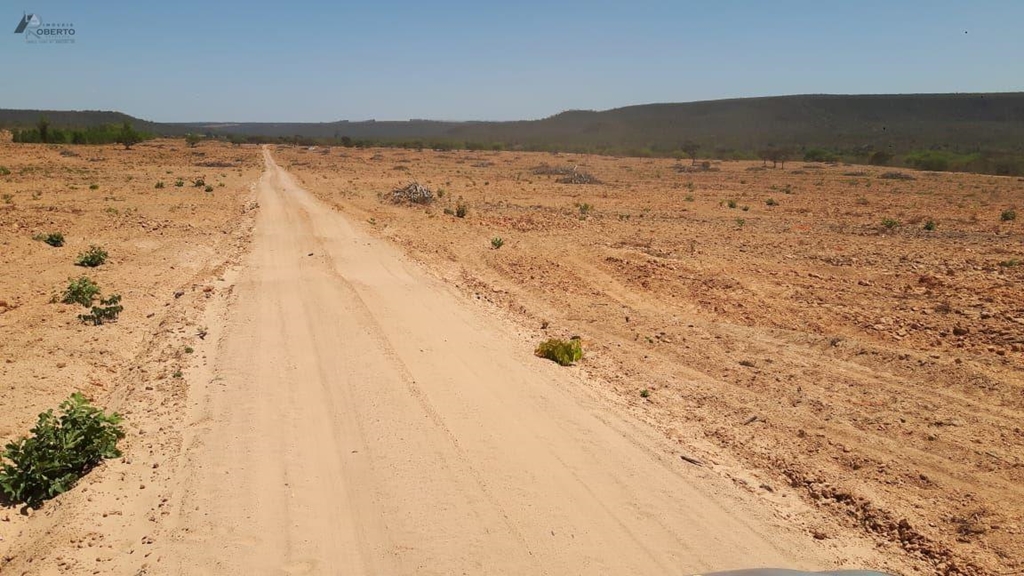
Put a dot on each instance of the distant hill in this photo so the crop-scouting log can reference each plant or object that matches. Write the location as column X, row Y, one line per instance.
column 962, row 123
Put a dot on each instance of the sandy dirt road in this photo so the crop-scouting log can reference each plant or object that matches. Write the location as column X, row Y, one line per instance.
column 359, row 418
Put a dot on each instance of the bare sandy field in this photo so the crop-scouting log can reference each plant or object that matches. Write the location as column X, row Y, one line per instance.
column 813, row 342
column 165, row 246
column 781, row 366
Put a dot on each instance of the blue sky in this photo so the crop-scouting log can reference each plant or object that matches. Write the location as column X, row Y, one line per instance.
column 323, row 61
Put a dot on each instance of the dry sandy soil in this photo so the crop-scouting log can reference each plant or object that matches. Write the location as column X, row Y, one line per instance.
column 852, row 393
column 801, row 347
column 165, row 247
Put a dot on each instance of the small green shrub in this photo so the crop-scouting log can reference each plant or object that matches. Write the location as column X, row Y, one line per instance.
column 564, row 352
column 179, row 183
column 59, row 452
column 198, row 183
column 689, row 198
column 55, row 239
column 1010, row 263
column 930, row 225
column 890, row 224
column 92, row 257
column 4, row 171
column 94, row 186
column 8, row 198
column 497, row 242
column 461, row 209
column 740, row 222
column 208, row 189
column 645, row 393
column 1008, row 215
column 584, row 209
column 731, row 204
column 80, row 290
column 159, row 185
column 108, row 311
column 771, row 202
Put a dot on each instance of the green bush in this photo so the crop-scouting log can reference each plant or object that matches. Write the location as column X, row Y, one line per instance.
column 179, row 183
column 819, row 155
column 561, row 351
column 1008, row 215
column 159, row 185
column 198, row 183
column 461, row 209
column 108, row 311
column 55, row 239
column 80, row 290
column 92, row 257
column 61, row 450
column 4, row 171
column 497, row 242
column 208, row 189
column 890, row 224
column 94, row 186
column 930, row 225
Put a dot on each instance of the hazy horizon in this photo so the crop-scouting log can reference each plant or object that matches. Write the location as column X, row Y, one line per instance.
column 460, row 61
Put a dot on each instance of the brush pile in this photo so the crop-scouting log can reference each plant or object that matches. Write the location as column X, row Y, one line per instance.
column 413, row 193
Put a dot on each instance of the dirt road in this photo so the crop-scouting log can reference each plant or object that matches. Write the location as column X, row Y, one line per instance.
column 361, row 419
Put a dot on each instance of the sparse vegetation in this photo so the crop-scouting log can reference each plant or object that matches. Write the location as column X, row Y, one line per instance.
column 497, row 242
column 930, row 225
column 128, row 137
column 60, row 450
column 198, row 183
column 564, row 352
column 1008, row 215
column 584, row 209
column 890, row 223
column 461, row 209
column 731, row 204
column 55, row 239
column 179, row 183
column 81, row 290
column 645, row 393
column 771, row 202
column 93, row 257
column 108, row 311
column 208, row 189
column 159, row 185
column 94, row 186
column 896, row 176
column 192, row 140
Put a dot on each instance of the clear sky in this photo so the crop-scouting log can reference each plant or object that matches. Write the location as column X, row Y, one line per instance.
column 187, row 60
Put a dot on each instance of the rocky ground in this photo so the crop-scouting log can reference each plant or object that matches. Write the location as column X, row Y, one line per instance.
column 804, row 331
